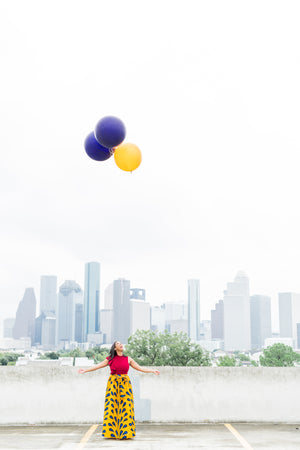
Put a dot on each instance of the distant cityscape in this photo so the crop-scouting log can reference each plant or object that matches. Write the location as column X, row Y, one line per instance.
column 70, row 317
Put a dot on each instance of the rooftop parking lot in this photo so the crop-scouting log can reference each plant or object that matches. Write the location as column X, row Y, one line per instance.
column 154, row 436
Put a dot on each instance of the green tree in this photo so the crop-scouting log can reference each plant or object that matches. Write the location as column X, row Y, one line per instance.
column 279, row 355
column 52, row 355
column 9, row 359
column 243, row 357
column 100, row 354
column 77, row 353
column 226, row 361
column 97, row 353
column 90, row 353
column 146, row 347
column 151, row 348
column 3, row 361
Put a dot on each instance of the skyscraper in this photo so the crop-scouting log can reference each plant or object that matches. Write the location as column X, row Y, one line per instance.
column 107, row 325
column 45, row 330
column 194, row 309
column 38, row 329
column 217, row 321
column 46, row 322
column 48, row 294
column 24, row 325
column 48, row 330
column 139, row 315
column 157, row 318
column 8, row 325
column 261, row 321
column 107, row 314
column 175, row 316
column 289, row 316
column 91, row 299
column 121, row 314
column 109, row 296
column 138, row 294
column 79, row 317
column 70, row 294
column 237, row 314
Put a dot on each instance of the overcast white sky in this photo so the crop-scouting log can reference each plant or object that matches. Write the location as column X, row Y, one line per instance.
column 210, row 93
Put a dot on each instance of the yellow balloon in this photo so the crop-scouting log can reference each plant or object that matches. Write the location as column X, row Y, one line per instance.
column 128, row 157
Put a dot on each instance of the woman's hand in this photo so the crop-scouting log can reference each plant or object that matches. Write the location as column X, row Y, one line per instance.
column 81, row 371
column 157, row 372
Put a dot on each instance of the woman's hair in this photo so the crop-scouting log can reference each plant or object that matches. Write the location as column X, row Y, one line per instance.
column 112, row 351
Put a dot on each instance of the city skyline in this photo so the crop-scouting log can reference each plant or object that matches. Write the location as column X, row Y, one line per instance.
column 53, row 279
column 70, row 316
column 206, row 305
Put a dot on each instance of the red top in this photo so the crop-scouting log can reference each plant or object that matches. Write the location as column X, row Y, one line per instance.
column 119, row 365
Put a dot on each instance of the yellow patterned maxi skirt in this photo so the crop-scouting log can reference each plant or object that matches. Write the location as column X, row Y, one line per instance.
column 118, row 421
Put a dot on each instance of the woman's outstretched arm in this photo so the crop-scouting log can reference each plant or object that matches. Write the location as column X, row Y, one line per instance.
column 135, row 366
column 97, row 366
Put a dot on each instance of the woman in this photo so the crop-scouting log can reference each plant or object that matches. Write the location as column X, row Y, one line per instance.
column 118, row 421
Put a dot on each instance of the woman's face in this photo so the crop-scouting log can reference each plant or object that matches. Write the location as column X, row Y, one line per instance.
column 119, row 347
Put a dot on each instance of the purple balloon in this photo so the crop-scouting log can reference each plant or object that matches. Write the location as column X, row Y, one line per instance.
column 110, row 131
column 95, row 150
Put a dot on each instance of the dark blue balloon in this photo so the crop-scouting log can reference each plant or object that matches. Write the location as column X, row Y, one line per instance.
column 95, row 150
column 110, row 131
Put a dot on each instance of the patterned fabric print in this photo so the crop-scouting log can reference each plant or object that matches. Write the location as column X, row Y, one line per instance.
column 118, row 421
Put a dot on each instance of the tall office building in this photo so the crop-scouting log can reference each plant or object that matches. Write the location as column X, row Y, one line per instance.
column 178, row 326
column 139, row 310
column 194, row 310
column 24, row 325
column 70, row 294
column 261, row 320
column 139, row 315
column 138, row 294
column 289, row 316
column 217, row 321
column 48, row 330
column 45, row 330
column 48, row 294
column 38, row 329
column 46, row 322
column 205, row 330
column 107, row 317
column 91, row 299
column 121, row 307
column 109, row 296
column 8, row 325
column 237, row 334
column 176, row 316
column 79, row 318
column 175, row 311
column 158, row 318
column 130, row 311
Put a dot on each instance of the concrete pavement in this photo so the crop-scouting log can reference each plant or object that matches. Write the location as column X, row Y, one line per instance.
column 154, row 437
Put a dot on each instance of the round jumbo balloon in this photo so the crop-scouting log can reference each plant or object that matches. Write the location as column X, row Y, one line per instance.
column 128, row 157
column 95, row 150
column 110, row 131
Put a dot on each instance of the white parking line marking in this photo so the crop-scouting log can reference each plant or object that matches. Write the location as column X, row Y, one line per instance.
column 87, row 436
column 240, row 438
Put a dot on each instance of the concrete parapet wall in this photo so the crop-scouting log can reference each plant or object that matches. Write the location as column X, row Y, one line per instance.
column 39, row 395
